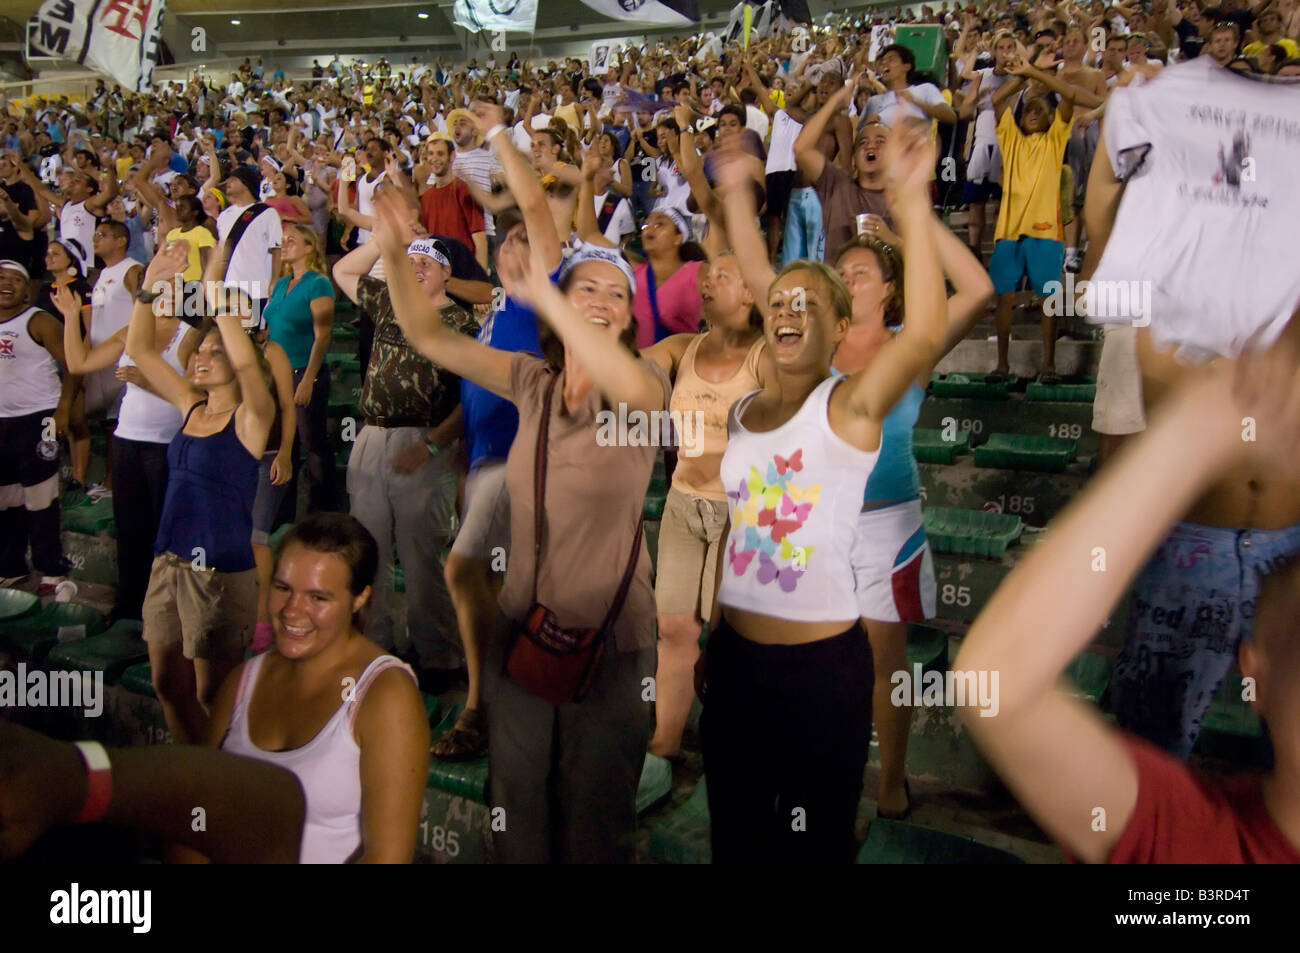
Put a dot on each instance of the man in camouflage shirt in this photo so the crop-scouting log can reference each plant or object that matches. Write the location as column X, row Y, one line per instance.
column 401, row 481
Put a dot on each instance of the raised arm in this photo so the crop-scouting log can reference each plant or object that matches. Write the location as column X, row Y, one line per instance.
column 418, row 318
column 1066, row 91
column 80, row 358
column 1056, row 753
column 523, row 185
column 619, row 376
column 588, row 227
column 742, row 229
column 811, row 161
column 141, row 345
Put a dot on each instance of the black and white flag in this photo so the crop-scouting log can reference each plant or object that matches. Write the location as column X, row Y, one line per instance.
column 121, row 38
column 477, row 16
column 658, row 12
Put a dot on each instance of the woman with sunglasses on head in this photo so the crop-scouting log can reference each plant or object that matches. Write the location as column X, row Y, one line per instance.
column 201, row 603
column 566, row 746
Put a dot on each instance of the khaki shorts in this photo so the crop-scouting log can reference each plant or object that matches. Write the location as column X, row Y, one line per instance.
column 485, row 524
column 689, row 537
column 210, row 613
column 1118, row 408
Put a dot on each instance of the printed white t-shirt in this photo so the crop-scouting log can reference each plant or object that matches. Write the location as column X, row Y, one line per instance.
column 1208, row 216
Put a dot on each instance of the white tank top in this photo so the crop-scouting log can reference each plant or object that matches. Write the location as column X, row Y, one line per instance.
column 780, row 153
column 145, row 416
column 795, row 494
column 328, row 767
column 76, row 222
column 29, row 375
column 111, row 302
column 366, row 202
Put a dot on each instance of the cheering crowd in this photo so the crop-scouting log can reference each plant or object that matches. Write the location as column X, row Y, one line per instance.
column 743, row 236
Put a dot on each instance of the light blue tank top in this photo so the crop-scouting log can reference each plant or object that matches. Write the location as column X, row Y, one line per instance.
column 895, row 477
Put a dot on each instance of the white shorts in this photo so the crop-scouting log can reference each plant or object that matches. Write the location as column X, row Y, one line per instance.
column 893, row 568
column 485, row 524
column 985, row 163
column 1118, row 408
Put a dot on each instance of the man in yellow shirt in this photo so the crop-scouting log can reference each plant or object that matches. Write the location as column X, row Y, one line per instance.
column 1030, row 239
column 1268, row 29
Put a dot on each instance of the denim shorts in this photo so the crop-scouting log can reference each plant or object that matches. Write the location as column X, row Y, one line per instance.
column 1192, row 605
column 267, row 503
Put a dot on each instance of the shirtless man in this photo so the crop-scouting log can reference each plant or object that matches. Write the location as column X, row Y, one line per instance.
column 1195, row 599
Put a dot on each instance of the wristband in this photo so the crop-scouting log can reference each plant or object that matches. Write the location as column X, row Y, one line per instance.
column 499, row 127
column 99, row 782
column 145, row 296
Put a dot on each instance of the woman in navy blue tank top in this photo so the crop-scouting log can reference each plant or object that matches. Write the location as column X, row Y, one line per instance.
column 202, row 598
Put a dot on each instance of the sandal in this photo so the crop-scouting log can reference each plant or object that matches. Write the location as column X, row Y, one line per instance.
column 997, row 377
column 902, row 815
column 1049, row 379
column 466, row 741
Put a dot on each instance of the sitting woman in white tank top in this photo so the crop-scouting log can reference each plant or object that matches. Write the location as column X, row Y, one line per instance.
column 787, row 678
column 327, row 704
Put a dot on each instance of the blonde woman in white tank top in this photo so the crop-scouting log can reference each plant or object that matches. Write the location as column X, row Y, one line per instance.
column 788, row 678
column 329, row 705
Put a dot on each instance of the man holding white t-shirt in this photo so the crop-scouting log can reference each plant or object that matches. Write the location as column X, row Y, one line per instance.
column 254, row 258
column 897, row 92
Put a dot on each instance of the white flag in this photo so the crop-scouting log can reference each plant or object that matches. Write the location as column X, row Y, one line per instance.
column 518, row 16
column 661, row 12
column 121, row 38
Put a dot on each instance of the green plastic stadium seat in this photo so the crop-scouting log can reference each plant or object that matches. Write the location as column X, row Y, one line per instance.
column 1232, row 730
column 930, row 446
column 1081, row 392
column 970, row 385
column 89, row 518
column 1026, row 452
column 431, row 707
column 1090, row 674
column 682, row 837
column 970, row 532
column 112, row 653
column 656, row 783
column 344, row 332
column 466, row 779
column 15, row 603
column 33, row 636
column 927, row 646
column 896, row 842
column 399, row 578
column 138, row 678
column 344, row 362
column 277, row 538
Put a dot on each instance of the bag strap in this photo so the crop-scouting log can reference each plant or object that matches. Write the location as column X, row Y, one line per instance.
column 654, row 297
column 245, row 219
column 539, row 479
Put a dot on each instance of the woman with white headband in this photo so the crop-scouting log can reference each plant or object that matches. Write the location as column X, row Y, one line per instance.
column 567, row 722
column 668, row 281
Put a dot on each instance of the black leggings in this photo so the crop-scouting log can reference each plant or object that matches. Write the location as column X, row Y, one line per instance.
column 139, row 487
column 786, row 731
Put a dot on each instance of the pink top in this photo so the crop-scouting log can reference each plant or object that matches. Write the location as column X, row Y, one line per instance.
column 678, row 299
column 284, row 207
